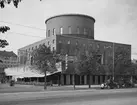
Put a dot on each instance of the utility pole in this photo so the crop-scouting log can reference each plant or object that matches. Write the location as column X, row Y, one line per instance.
column 113, row 61
column 66, row 62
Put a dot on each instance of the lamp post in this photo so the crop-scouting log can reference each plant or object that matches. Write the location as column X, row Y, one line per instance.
column 113, row 61
column 66, row 62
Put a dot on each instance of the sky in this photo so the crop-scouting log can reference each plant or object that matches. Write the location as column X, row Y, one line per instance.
column 115, row 20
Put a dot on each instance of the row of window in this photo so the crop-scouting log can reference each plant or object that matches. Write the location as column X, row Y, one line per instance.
column 70, row 31
column 8, row 65
column 98, row 45
column 11, row 62
column 53, row 42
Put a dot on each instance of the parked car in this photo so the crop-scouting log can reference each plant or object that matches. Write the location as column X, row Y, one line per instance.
column 121, row 83
column 129, row 84
column 110, row 84
column 125, row 83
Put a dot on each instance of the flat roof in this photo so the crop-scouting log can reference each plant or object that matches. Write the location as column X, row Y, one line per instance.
column 81, row 15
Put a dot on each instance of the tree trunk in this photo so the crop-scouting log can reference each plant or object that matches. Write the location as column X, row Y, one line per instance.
column 131, row 78
column 45, row 82
column 89, row 83
column 74, row 81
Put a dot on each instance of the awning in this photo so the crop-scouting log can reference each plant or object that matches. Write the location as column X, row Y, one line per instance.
column 21, row 72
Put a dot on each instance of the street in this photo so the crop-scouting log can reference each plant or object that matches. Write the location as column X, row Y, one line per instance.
column 72, row 97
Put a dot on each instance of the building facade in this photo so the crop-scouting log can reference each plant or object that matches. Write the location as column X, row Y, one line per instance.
column 72, row 34
column 7, row 60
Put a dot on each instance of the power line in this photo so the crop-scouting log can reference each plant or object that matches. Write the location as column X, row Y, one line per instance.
column 25, row 34
column 23, row 25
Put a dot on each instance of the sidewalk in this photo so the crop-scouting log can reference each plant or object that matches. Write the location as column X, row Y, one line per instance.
column 5, row 88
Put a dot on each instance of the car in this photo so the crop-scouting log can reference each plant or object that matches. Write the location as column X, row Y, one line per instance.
column 125, row 83
column 109, row 85
column 129, row 84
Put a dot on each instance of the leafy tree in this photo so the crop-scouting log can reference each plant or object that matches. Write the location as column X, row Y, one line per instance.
column 3, row 29
column 3, row 43
column 43, row 59
column 121, row 61
column 89, row 65
column 15, row 3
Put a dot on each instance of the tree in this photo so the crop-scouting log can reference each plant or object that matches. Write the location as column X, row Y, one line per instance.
column 130, row 70
column 43, row 59
column 3, row 29
column 15, row 3
column 121, row 61
column 88, row 64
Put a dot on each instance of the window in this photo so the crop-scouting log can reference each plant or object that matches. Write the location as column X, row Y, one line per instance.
column 85, row 31
column 53, row 48
column 69, row 29
column 32, row 48
column 69, row 42
column 59, row 41
column 53, row 41
column 48, row 42
column 76, row 42
column 78, row 31
column 54, row 31
column 99, row 59
column 48, row 33
column 98, row 46
column 35, row 47
column 61, row 30
column 102, row 59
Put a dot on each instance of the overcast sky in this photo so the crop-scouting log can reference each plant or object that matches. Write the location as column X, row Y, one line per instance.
column 116, row 20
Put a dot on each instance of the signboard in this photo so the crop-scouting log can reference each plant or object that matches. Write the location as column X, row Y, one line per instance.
column 59, row 66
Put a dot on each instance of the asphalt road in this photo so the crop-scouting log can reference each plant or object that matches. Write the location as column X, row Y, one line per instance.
column 72, row 97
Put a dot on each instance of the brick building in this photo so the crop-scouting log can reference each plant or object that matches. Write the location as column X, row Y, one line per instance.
column 7, row 60
column 72, row 34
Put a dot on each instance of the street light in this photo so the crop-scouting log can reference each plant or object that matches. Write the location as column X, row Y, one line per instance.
column 66, row 62
column 113, row 61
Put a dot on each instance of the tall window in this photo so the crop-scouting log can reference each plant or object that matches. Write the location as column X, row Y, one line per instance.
column 78, row 31
column 59, row 41
column 76, row 43
column 48, row 42
column 99, row 59
column 85, row 31
column 61, row 30
column 54, row 31
column 53, row 41
column 102, row 59
column 69, row 29
column 69, row 42
column 53, row 48
column 48, row 33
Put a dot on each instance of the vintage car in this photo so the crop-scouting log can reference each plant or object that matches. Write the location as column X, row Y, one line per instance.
column 109, row 85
